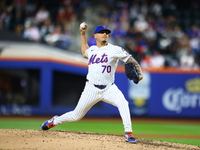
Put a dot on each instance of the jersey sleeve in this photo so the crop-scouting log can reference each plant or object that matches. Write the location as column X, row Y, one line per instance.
column 86, row 52
column 122, row 54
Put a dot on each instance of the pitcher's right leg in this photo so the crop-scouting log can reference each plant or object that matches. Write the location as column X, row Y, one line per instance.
column 89, row 97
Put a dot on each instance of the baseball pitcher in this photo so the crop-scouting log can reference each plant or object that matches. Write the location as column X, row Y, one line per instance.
column 102, row 63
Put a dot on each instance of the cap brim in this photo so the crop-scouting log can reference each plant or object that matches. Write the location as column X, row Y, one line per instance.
column 105, row 30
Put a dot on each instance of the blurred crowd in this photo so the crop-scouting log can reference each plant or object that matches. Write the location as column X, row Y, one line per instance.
column 151, row 30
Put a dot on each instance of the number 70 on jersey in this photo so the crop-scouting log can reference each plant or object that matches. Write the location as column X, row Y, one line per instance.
column 106, row 68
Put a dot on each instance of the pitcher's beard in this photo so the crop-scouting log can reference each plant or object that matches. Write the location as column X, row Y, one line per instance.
column 104, row 42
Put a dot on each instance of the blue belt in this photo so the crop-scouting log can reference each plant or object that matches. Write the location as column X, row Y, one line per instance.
column 98, row 86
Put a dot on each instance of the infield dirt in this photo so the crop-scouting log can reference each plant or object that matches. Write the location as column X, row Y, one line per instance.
column 18, row 139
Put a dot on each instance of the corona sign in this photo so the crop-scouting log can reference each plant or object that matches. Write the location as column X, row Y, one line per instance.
column 178, row 95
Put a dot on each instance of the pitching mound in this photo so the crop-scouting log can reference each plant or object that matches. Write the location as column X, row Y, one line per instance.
column 17, row 139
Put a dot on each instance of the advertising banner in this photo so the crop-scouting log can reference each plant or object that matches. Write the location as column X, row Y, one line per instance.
column 139, row 95
column 174, row 95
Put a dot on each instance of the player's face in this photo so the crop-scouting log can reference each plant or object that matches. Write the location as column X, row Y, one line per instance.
column 102, row 36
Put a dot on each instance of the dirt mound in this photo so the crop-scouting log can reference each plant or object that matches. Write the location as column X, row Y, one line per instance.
column 17, row 139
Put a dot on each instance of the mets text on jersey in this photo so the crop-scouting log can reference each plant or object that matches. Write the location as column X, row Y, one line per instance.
column 94, row 60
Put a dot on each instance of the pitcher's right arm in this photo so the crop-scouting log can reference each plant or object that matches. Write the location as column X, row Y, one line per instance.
column 84, row 44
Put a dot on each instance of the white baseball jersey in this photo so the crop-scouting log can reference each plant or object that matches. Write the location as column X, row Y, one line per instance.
column 102, row 63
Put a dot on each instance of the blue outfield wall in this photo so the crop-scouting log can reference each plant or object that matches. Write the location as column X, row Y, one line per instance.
column 159, row 94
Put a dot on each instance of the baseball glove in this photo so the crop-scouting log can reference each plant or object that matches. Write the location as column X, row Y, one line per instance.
column 131, row 72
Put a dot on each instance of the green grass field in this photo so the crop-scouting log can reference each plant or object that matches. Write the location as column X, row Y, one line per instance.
column 116, row 127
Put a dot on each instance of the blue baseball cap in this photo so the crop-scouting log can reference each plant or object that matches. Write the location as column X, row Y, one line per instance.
column 101, row 28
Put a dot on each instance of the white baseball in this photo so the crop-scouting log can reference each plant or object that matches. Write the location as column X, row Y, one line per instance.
column 82, row 25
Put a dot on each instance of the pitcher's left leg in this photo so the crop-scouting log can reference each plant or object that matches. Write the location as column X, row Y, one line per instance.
column 115, row 97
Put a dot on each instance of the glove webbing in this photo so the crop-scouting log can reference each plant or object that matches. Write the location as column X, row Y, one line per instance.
column 131, row 72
